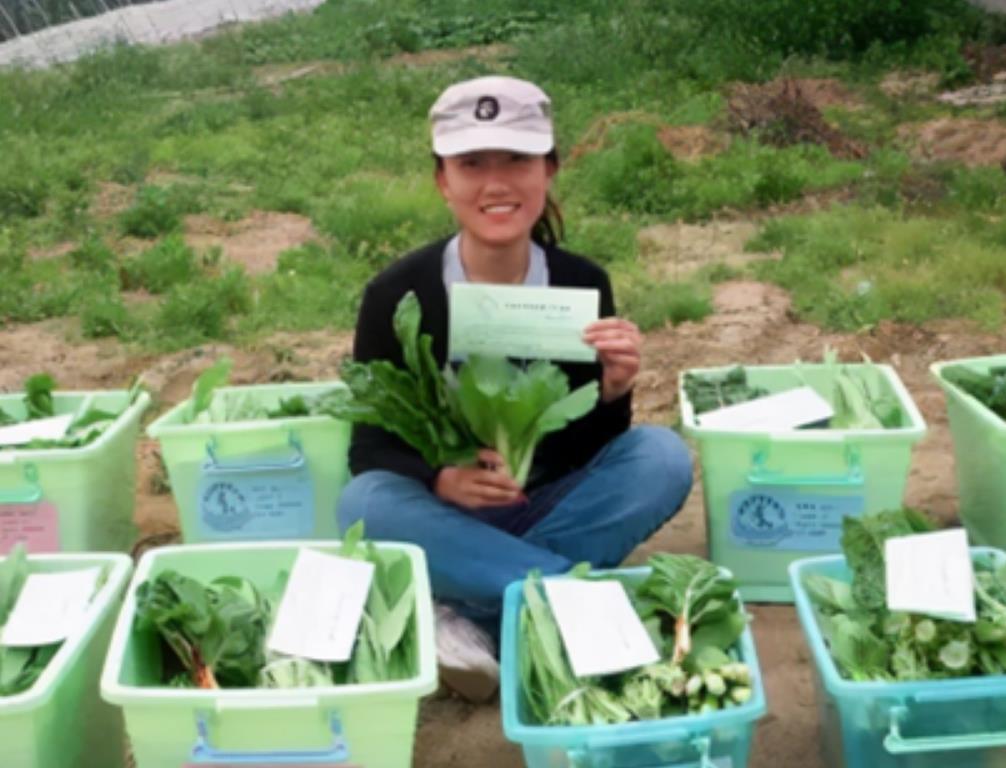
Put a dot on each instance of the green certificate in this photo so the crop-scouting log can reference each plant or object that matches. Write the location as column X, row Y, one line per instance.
column 521, row 321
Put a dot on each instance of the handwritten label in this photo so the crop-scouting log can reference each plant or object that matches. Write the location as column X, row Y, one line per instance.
column 783, row 411
column 50, row 607
column 321, row 608
column 599, row 627
column 931, row 573
column 35, row 525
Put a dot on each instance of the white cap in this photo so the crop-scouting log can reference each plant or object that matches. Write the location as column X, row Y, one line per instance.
column 492, row 113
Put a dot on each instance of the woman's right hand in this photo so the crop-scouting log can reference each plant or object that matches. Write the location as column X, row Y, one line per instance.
column 486, row 484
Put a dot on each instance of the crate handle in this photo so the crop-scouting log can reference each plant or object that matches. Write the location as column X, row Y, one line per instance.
column 581, row 758
column 27, row 494
column 897, row 744
column 760, row 474
column 214, row 464
column 204, row 753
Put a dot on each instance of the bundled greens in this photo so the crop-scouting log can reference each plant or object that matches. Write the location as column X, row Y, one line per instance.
column 216, row 633
column 869, row 642
column 85, row 428
column 691, row 611
column 988, row 388
column 511, row 409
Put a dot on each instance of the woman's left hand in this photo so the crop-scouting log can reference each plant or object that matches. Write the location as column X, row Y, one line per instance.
column 619, row 348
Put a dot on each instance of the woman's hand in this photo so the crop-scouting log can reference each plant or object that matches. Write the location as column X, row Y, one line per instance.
column 619, row 348
column 487, row 484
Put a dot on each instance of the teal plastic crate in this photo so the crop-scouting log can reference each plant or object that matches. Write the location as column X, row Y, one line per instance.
column 352, row 725
column 954, row 723
column 256, row 480
column 775, row 497
column 716, row 740
column 979, row 456
column 61, row 721
column 73, row 499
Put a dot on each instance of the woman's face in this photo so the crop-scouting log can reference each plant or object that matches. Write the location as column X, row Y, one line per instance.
column 496, row 196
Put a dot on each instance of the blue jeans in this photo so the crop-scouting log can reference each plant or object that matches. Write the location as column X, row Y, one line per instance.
column 597, row 514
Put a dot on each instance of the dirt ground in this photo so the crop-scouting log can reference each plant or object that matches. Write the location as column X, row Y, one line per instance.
column 752, row 323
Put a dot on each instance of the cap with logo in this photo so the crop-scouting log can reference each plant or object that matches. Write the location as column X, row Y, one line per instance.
column 492, row 113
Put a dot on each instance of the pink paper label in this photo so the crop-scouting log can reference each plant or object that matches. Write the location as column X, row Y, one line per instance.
column 37, row 525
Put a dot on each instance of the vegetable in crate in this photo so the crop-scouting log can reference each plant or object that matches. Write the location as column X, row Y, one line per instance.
column 869, row 642
column 988, row 388
column 19, row 667
column 216, row 633
column 690, row 609
column 708, row 392
column 857, row 405
column 85, row 427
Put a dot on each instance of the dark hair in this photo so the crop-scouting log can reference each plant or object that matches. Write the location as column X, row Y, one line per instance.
column 549, row 228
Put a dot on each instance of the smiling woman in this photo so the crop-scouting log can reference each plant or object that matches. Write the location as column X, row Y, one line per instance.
column 596, row 488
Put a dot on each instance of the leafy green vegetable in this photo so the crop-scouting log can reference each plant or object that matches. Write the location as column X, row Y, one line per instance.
column 708, row 392
column 698, row 596
column 708, row 678
column 510, row 409
column 868, row 642
column 217, row 631
column 203, row 388
column 989, row 388
column 38, row 396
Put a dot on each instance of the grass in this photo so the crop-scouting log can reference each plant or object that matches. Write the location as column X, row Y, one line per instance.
column 193, row 128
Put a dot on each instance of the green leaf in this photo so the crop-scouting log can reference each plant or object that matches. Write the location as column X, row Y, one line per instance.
column 38, row 396
column 829, row 594
column 209, row 380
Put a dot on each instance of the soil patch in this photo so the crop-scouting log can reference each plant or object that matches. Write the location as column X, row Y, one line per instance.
column 111, row 199
column 256, row 241
column 969, row 141
column 787, row 112
column 910, row 84
column 675, row 251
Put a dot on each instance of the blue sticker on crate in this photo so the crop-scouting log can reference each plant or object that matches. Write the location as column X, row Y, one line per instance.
column 252, row 500
column 790, row 520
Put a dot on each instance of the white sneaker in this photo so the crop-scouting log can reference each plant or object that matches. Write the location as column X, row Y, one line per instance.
column 466, row 656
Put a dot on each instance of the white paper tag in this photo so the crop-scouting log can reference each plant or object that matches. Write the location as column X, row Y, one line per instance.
column 50, row 607
column 931, row 573
column 601, row 630
column 784, row 410
column 321, row 608
column 40, row 429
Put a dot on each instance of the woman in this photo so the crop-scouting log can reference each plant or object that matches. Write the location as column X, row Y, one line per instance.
column 598, row 488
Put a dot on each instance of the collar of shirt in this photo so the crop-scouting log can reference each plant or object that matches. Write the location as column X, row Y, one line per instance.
column 454, row 270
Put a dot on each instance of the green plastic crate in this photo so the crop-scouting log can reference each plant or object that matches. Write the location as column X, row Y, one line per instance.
column 953, row 723
column 774, row 497
column 73, row 499
column 61, row 721
column 979, row 455
column 348, row 725
column 256, row 480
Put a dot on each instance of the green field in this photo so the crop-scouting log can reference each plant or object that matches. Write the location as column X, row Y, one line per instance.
column 324, row 115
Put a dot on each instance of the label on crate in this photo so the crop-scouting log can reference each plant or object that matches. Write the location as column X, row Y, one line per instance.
column 50, row 607
column 35, row 525
column 267, row 503
column 780, row 519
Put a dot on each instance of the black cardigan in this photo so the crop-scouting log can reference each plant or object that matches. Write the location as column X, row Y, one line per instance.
column 422, row 271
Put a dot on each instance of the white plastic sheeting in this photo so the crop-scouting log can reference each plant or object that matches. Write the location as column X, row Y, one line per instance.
column 150, row 24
